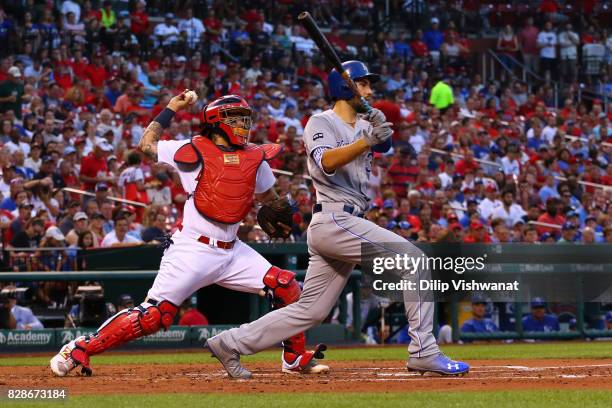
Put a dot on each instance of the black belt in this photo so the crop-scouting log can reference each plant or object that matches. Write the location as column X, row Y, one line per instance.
column 346, row 208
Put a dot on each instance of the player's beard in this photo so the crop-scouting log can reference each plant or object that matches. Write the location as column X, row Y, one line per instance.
column 357, row 105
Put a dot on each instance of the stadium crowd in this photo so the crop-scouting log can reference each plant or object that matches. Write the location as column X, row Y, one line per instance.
column 506, row 160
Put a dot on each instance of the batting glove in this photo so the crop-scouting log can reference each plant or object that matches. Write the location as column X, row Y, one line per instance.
column 375, row 117
column 379, row 134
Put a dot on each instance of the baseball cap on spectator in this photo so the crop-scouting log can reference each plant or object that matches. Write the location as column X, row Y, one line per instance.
column 101, row 186
column 391, row 225
column 169, row 15
column 472, row 201
column 476, row 225
column 79, row 216
column 278, row 95
column 47, row 158
column 545, row 236
column 14, row 71
column 435, row 20
column 455, row 226
column 111, row 157
column 125, row 300
column 69, row 150
column 97, row 215
column 404, row 225
column 74, row 203
column 590, row 218
column 388, row 204
column 55, row 233
column 568, row 226
column 104, row 145
column 537, row 302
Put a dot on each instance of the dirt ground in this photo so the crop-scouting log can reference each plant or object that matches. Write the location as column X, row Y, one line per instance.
column 362, row 376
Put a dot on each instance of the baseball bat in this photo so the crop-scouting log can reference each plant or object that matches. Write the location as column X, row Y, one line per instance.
column 328, row 52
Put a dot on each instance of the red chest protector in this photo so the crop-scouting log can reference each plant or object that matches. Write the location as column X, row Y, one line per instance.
column 226, row 182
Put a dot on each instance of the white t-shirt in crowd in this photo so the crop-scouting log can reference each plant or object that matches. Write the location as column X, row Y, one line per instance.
column 194, row 223
column 548, row 39
column 111, row 238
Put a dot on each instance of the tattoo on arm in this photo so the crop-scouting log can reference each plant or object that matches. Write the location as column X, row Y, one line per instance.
column 148, row 143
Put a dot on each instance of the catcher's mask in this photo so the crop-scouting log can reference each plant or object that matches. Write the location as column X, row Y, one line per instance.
column 229, row 116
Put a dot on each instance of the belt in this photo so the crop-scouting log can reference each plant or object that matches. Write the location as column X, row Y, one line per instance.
column 335, row 207
column 213, row 242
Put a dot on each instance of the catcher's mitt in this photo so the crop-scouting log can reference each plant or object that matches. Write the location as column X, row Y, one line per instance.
column 276, row 218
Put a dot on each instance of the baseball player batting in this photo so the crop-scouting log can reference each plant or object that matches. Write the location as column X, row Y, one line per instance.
column 222, row 172
column 339, row 143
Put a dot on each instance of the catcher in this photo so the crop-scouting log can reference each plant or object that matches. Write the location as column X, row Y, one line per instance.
column 222, row 172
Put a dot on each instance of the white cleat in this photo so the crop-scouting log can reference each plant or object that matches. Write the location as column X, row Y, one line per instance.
column 313, row 367
column 62, row 363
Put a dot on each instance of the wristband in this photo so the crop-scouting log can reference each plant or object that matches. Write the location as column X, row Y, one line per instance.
column 165, row 117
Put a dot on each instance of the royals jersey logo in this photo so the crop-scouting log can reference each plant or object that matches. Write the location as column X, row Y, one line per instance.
column 231, row 159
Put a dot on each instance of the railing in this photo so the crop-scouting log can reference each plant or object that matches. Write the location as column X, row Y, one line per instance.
column 527, row 74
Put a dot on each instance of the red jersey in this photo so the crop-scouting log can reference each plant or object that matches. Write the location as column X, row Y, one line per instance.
column 139, row 22
column 97, row 75
column 193, row 317
column 92, row 167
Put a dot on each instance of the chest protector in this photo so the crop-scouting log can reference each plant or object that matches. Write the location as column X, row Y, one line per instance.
column 226, row 182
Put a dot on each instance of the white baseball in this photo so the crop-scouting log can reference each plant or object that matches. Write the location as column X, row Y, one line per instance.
column 192, row 97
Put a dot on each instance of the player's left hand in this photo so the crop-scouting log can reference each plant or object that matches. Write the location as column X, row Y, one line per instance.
column 375, row 117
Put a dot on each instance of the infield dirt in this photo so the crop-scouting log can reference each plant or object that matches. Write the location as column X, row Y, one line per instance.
column 345, row 376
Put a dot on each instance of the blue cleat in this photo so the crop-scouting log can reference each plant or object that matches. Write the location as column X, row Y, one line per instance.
column 437, row 363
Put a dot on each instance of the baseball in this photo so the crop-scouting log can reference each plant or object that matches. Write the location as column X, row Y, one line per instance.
column 192, row 97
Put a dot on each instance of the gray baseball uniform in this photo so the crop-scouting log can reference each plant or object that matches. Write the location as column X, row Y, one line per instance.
column 335, row 240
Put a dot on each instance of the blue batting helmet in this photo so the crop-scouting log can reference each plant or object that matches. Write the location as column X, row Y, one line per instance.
column 356, row 69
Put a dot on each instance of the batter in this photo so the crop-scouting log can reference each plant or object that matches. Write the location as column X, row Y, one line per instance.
column 339, row 144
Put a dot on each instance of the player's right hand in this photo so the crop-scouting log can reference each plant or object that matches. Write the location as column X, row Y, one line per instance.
column 179, row 102
column 379, row 134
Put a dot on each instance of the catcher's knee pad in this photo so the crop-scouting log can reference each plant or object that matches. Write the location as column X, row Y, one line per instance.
column 282, row 287
column 129, row 324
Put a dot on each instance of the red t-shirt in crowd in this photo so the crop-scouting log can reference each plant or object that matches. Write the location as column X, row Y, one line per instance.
column 92, row 167
column 391, row 110
column 97, row 75
column 463, row 166
column 557, row 219
column 401, row 175
column 193, row 317
column 139, row 21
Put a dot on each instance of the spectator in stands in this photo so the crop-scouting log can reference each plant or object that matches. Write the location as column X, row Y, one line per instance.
column 119, row 236
column 528, row 39
column 24, row 318
column 189, row 315
column 538, row 320
column 52, row 259
column 608, row 321
column 434, row 38
column 547, row 43
column 509, row 211
column 157, row 229
column 166, row 34
column 551, row 216
column 568, row 42
column 568, row 233
column 11, row 92
column 80, row 224
column 125, row 302
column 479, row 323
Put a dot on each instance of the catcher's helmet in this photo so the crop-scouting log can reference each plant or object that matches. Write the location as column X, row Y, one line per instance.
column 338, row 88
column 229, row 115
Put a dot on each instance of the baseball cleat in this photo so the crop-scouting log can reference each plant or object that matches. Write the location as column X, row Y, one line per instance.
column 69, row 357
column 304, row 363
column 229, row 359
column 437, row 363
column 62, row 363
column 313, row 367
